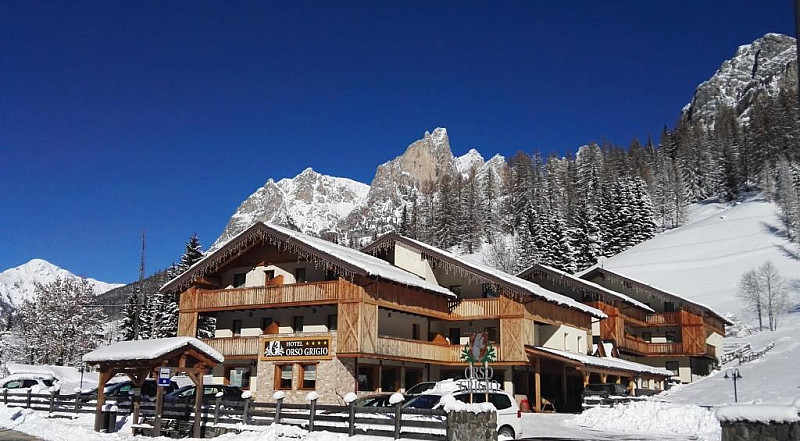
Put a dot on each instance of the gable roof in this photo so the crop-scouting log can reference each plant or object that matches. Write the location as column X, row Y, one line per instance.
column 604, row 362
column 504, row 280
column 652, row 290
column 346, row 262
column 149, row 350
column 584, row 284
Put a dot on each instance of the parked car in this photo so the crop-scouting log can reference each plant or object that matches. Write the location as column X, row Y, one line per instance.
column 604, row 390
column 375, row 400
column 21, row 382
column 186, row 393
column 420, row 388
column 123, row 389
column 509, row 416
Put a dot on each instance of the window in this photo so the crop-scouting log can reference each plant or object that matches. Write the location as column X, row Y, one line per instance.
column 366, row 378
column 455, row 336
column 671, row 336
column 332, row 322
column 500, row 401
column 412, row 377
column 239, row 377
column 269, row 275
column 330, row 274
column 283, row 376
column 669, row 307
column 414, row 331
column 390, row 379
column 299, row 275
column 492, row 333
column 455, row 289
column 308, row 375
column 673, row 366
column 265, row 322
column 237, row 327
column 239, row 279
column 647, row 336
column 297, row 323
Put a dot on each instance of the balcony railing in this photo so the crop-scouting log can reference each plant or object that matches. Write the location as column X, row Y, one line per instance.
column 664, row 319
column 419, row 350
column 477, row 308
column 648, row 348
column 269, row 296
column 228, row 346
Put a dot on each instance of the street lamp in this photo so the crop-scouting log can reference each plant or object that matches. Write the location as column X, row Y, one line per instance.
column 734, row 373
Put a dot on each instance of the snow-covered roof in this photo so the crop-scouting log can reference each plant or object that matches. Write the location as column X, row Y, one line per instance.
column 607, row 362
column 598, row 269
column 587, row 284
column 761, row 413
column 521, row 285
column 347, row 258
column 144, row 350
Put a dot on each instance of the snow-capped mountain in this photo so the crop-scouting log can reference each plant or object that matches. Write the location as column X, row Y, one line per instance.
column 315, row 203
column 311, row 202
column 18, row 284
column 763, row 66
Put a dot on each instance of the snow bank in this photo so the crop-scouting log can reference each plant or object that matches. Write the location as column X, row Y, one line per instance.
column 759, row 413
column 652, row 419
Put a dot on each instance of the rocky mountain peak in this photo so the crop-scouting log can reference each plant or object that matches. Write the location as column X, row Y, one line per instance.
column 763, row 66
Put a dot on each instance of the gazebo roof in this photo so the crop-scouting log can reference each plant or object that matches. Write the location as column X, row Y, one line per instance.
column 149, row 351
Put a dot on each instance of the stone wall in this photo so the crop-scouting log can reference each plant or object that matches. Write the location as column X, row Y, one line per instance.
column 335, row 378
column 471, row 426
column 753, row 431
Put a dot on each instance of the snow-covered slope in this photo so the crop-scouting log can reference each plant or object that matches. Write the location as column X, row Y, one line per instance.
column 18, row 284
column 704, row 261
column 763, row 66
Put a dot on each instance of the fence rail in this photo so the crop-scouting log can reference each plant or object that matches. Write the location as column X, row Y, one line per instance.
column 221, row 416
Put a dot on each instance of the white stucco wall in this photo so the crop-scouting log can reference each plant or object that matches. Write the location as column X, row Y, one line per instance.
column 565, row 338
column 411, row 260
column 256, row 276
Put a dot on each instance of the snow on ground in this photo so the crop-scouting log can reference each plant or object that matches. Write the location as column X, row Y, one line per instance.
column 705, row 259
column 37, row 424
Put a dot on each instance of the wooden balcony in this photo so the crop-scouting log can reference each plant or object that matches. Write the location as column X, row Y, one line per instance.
column 477, row 309
column 234, row 346
column 642, row 347
column 315, row 293
column 419, row 350
column 664, row 319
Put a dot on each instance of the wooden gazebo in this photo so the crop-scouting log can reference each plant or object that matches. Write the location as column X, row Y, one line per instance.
column 139, row 358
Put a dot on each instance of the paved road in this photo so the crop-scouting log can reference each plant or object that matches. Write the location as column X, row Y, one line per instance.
column 13, row 435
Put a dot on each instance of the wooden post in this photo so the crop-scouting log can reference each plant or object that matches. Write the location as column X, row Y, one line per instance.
column 278, row 406
column 398, row 415
column 603, row 378
column 52, row 400
column 312, row 411
column 159, row 408
column 352, row 420
column 537, row 383
column 105, row 374
column 78, row 402
column 246, row 412
column 137, row 395
column 29, row 398
column 564, row 384
column 217, row 403
column 5, row 396
column 585, row 379
column 198, row 405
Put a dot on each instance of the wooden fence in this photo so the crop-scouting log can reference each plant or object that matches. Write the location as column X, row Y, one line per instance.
column 221, row 416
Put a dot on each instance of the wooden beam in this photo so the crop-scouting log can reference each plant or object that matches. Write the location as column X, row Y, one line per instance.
column 537, row 383
column 105, row 375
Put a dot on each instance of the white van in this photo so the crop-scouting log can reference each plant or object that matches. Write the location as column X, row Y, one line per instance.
column 509, row 417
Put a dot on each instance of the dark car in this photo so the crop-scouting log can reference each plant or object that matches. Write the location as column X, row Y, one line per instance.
column 186, row 393
column 122, row 390
column 604, row 390
column 376, row 400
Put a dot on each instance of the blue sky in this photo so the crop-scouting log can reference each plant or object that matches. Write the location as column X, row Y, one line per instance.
column 123, row 117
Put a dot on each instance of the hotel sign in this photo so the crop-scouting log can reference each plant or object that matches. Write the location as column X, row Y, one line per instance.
column 295, row 348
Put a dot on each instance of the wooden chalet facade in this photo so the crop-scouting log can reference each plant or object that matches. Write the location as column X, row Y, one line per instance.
column 645, row 324
column 296, row 313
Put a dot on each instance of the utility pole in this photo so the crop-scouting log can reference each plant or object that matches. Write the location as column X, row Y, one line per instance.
column 137, row 314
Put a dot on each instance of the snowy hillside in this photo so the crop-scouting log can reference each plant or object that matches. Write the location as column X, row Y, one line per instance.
column 704, row 259
column 18, row 284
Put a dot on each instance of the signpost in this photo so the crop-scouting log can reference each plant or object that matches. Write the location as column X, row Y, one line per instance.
column 479, row 350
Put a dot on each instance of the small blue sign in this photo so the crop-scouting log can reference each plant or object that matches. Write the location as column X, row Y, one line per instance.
column 164, row 374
